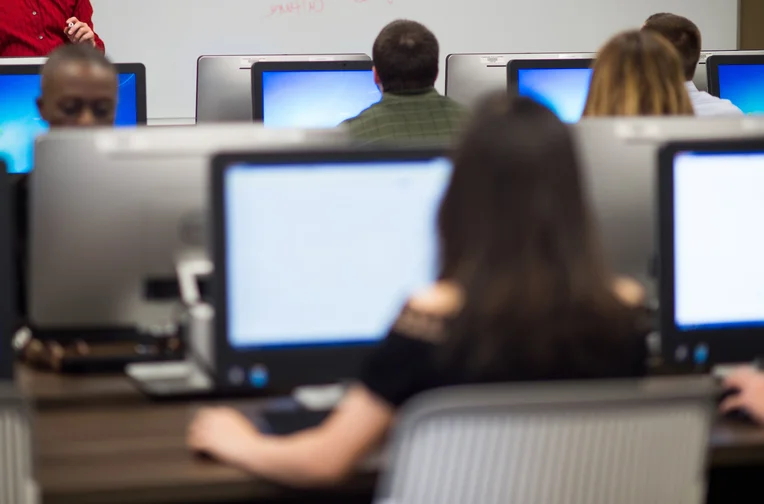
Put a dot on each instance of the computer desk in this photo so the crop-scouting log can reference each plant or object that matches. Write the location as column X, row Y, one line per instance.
column 98, row 440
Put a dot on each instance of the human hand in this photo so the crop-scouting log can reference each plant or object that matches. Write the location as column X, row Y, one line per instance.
column 750, row 398
column 79, row 32
column 223, row 433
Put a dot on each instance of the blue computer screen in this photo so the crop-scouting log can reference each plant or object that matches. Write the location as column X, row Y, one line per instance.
column 743, row 85
column 327, row 254
column 20, row 123
column 316, row 99
column 563, row 90
column 718, row 267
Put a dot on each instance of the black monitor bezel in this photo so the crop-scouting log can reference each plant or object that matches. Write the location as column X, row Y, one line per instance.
column 308, row 365
column 513, row 67
column 138, row 69
column 715, row 60
column 7, row 276
column 725, row 345
column 259, row 67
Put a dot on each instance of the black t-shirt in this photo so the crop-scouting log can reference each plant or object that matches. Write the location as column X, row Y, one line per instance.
column 407, row 362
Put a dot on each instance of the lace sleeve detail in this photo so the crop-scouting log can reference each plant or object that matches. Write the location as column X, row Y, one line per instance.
column 420, row 325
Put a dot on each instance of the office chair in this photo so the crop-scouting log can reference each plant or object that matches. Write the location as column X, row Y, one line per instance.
column 17, row 485
column 619, row 442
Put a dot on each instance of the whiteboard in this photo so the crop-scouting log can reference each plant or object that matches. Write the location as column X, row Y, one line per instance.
column 169, row 35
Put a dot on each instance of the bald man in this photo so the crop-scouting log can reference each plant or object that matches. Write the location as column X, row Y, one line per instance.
column 79, row 88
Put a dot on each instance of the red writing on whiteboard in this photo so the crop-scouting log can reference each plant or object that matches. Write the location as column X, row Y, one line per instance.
column 297, row 7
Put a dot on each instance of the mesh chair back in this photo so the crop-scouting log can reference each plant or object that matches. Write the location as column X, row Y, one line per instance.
column 621, row 442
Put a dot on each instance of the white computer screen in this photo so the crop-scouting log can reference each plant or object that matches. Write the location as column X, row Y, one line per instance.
column 718, row 245
column 327, row 253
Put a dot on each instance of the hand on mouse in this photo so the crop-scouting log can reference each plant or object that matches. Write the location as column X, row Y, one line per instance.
column 79, row 32
column 750, row 383
column 224, row 434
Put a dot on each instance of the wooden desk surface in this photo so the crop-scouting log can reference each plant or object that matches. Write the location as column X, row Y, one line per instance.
column 98, row 440
column 128, row 454
column 48, row 389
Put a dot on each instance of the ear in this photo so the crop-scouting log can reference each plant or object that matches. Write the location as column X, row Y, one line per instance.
column 376, row 77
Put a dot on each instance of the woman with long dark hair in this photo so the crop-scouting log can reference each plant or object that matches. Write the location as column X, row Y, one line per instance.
column 523, row 294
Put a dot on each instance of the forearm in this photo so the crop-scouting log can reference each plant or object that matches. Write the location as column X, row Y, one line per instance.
column 302, row 459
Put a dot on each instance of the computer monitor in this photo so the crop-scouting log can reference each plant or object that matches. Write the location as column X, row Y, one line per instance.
column 701, row 77
column 120, row 207
column 712, row 272
column 7, row 278
column 562, row 84
column 23, row 61
column 315, row 254
column 20, row 121
column 618, row 159
column 319, row 94
column 469, row 76
column 224, row 82
column 739, row 79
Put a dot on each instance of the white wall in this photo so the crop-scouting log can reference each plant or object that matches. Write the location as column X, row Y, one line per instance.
column 168, row 35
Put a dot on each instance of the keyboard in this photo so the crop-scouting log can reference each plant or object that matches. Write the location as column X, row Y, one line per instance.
column 282, row 423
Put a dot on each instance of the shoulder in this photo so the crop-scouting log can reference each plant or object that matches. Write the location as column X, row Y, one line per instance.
column 424, row 315
column 364, row 115
column 442, row 299
column 629, row 291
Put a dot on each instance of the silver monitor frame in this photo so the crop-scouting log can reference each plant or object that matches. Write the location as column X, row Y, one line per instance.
column 224, row 82
column 471, row 75
column 23, row 61
column 619, row 158
column 111, row 209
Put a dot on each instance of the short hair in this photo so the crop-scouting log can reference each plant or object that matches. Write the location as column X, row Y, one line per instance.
column 683, row 34
column 75, row 53
column 405, row 55
column 638, row 73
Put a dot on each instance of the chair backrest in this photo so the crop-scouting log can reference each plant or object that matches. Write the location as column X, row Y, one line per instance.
column 17, row 485
column 615, row 442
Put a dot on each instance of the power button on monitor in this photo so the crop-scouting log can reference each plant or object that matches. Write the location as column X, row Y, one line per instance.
column 258, row 376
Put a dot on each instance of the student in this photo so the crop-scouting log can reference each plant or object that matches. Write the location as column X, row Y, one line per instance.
column 637, row 74
column 405, row 57
column 523, row 295
column 78, row 88
column 684, row 35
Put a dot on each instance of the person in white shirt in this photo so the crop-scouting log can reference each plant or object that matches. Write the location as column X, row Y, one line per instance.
column 685, row 36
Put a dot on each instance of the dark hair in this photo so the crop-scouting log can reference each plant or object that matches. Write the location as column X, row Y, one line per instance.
column 405, row 55
column 683, row 34
column 78, row 53
column 516, row 234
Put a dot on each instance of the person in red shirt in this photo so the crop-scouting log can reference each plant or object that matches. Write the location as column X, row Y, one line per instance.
column 31, row 28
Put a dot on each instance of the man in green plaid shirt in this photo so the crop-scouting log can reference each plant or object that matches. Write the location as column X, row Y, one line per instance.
column 406, row 56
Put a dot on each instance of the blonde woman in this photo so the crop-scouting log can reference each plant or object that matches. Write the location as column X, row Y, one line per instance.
column 638, row 73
